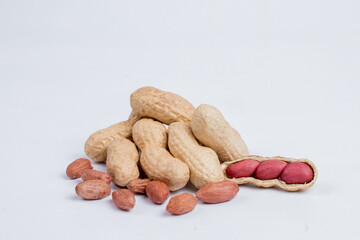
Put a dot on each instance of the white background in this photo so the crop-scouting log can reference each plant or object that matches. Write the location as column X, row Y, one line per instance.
column 285, row 74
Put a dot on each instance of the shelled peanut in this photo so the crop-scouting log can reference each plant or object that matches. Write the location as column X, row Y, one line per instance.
column 124, row 199
column 93, row 189
column 74, row 169
column 288, row 173
column 91, row 174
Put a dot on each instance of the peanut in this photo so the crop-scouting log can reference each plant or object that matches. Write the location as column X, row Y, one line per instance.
column 297, row 173
column 300, row 173
column 202, row 161
column 93, row 189
column 97, row 143
column 74, row 168
column 138, row 185
column 163, row 106
column 121, row 161
column 270, row 169
column 157, row 191
column 90, row 174
column 217, row 192
column 158, row 164
column 181, row 204
column 124, row 199
column 245, row 168
column 212, row 130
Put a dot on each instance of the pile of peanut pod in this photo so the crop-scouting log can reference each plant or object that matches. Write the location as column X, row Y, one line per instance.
column 198, row 145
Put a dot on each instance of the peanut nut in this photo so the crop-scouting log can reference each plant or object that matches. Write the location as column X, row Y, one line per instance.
column 74, row 168
column 270, row 169
column 245, row 168
column 217, row 192
column 93, row 189
column 297, row 173
column 138, row 185
column 157, row 191
column 124, row 199
column 181, row 204
column 90, row 174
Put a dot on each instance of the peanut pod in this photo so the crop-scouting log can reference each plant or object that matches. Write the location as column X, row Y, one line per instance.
column 283, row 173
column 158, row 164
column 121, row 161
column 163, row 106
column 202, row 161
column 97, row 143
column 212, row 130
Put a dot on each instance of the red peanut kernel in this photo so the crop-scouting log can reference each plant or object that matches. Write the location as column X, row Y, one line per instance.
column 297, row 173
column 91, row 174
column 270, row 169
column 244, row 168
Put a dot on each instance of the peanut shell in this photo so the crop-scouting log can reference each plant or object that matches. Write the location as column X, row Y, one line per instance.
column 212, row 130
column 202, row 161
column 158, row 164
column 121, row 162
column 163, row 106
column 272, row 182
column 96, row 145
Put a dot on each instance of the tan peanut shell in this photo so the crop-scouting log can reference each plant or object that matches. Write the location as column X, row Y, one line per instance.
column 272, row 182
column 202, row 161
column 97, row 143
column 121, row 162
column 212, row 130
column 158, row 164
column 163, row 106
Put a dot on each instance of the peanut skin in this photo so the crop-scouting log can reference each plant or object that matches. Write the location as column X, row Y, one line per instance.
column 163, row 106
column 181, row 204
column 245, row 168
column 157, row 191
column 74, row 168
column 297, row 173
column 96, row 145
column 217, row 192
column 91, row 174
column 212, row 130
column 93, row 189
column 270, row 169
column 202, row 161
column 138, row 185
column 158, row 164
column 124, row 199
column 121, row 162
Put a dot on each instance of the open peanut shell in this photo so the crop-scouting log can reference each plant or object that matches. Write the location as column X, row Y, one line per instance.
column 272, row 182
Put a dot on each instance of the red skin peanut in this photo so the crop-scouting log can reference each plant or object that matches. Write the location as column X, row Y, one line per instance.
column 90, row 174
column 270, row 169
column 124, row 199
column 245, row 168
column 297, row 173
column 74, row 168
